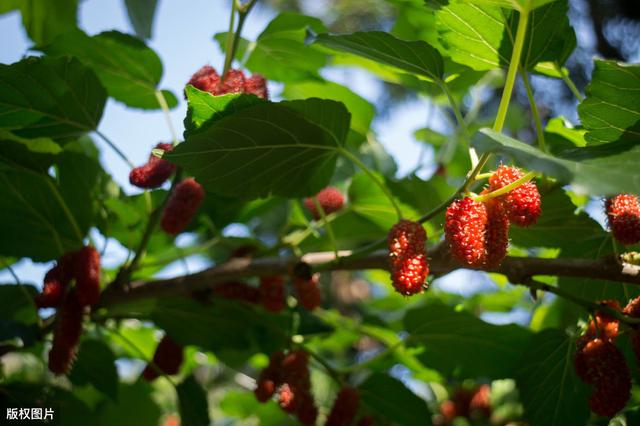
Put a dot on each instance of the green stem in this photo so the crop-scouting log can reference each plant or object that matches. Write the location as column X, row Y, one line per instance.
column 228, row 58
column 165, row 109
column 335, row 375
column 534, row 110
column 507, row 188
column 382, row 355
column 115, row 148
column 481, row 176
column 243, row 12
column 373, row 177
column 523, row 21
column 327, row 225
column 567, row 80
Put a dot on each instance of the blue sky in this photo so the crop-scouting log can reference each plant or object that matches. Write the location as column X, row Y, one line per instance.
column 182, row 36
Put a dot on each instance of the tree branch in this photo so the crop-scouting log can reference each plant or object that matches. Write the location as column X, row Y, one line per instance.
column 517, row 270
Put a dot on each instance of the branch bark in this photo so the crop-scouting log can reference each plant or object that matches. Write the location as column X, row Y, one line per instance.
column 516, row 269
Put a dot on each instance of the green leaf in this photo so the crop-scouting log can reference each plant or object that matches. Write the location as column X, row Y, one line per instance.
column 244, row 46
column 390, row 399
column 205, row 108
column 96, row 366
column 128, row 69
column 459, row 343
column 35, row 220
column 362, row 111
column 18, row 314
column 415, row 57
column 44, row 20
column 37, row 154
column 54, row 97
column 287, row 149
column 192, row 402
column 132, row 398
column 550, row 391
column 244, row 405
column 280, row 52
column 611, row 110
column 521, row 5
column 601, row 169
column 141, row 14
column 481, row 36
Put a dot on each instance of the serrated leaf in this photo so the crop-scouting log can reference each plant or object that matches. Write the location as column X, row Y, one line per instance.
column 55, row 97
column 481, row 36
column 280, row 52
column 461, row 344
column 611, row 110
column 128, row 69
column 141, row 14
column 95, row 365
column 205, row 108
column 287, row 149
column 550, row 391
column 390, row 399
column 192, row 403
column 606, row 169
column 415, row 57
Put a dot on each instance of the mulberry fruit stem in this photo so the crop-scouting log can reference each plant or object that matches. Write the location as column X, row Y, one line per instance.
column 534, row 110
column 506, row 189
column 232, row 42
column 355, row 160
column 327, row 226
column 567, row 80
column 333, row 373
column 165, row 110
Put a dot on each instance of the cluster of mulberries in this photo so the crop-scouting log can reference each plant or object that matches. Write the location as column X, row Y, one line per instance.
column 408, row 257
column 288, row 376
column 469, row 403
column 167, row 359
column 272, row 293
column 181, row 206
column 155, row 172
column 478, row 232
column 208, row 80
column 598, row 362
column 330, row 199
column 623, row 215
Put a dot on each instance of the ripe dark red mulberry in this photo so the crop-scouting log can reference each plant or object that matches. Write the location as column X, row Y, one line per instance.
column 272, row 293
column 155, row 172
column 607, row 326
column 208, row 80
column 237, row 291
column 408, row 257
column 623, row 215
column 55, row 282
column 308, row 292
column 87, row 275
column 66, row 335
column 465, row 226
column 270, row 378
column 167, row 357
column 181, row 206
column 296, row 396
column 523, row 204
column 330, row 199
column 480, row 404
column 601, row 364
column 344, row 408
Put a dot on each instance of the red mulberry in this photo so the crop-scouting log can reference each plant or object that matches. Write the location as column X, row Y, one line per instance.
column 330, row 199
column 155, row 172
column 408, row 257
column 480, row 404
column 601, row 364
column 465, row 226
column 167, row 357
column 272, row 293
column 270, row 378
column 523, row 204
column 633, row 310
column 55, row 282
column 181, row 206
column 497, row 234
column 87, row 274
column 208, row 80
column 66, row 335
column 623, row 215
column 295, row 393
column 344, row 408
column 308, row 292
column 607, row 326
